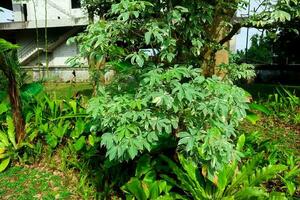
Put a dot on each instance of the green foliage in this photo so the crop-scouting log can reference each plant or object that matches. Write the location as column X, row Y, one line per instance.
column 232, row 182
column 157, row 100
column 236, row 72
column 8, row 58
column 201, row 114
column 282, row 11
column 170, row 98
column 284, row 104
column 260, row 51
column 57, row 120
column 6, row 46
column 177, row 32
column 9, row 149
column 145, row 184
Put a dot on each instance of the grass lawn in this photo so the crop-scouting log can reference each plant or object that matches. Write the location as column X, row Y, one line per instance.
column 30, row 183
column 68, row 90
column 285, row 134
column 283, row 130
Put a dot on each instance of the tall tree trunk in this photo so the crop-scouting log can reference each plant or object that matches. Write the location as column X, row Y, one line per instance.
column 14, row 97
column 209, row 63
column 8, row 65
column 218, row 33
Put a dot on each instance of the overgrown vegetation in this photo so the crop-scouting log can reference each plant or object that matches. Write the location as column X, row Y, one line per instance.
column 165, row 121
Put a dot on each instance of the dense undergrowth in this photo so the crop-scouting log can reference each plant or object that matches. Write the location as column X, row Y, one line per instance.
column 59, row 136
column 164, row 124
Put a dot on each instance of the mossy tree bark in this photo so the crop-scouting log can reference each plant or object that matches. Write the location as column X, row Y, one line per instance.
column 13, row 92
column 15, row 101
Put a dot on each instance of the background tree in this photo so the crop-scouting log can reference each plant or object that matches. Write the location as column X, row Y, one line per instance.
column 96, row 8
column 195, row 30
column 279, row 46
column 260, row 51
column 286, row 43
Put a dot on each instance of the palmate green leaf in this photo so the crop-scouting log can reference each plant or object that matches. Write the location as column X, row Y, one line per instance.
column 121, row 132
column 107, row 140
column 189, row 139
column 112, row 153
column 178, row 90
column 152, row 137
column 174, row 100
column 121, row 151
column 132, row 151
column 281, row 16
column 3, row 164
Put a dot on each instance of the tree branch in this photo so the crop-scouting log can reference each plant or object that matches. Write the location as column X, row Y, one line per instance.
column 234, row 30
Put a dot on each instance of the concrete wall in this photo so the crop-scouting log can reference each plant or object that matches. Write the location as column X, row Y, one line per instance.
column 58, row 57
column 56, row 9
column 57, row 74
column 62, row 53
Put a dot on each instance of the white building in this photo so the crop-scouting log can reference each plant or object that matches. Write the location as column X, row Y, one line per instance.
column 63, row 19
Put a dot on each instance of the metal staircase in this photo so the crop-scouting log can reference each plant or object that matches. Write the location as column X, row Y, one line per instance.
column 30, row 51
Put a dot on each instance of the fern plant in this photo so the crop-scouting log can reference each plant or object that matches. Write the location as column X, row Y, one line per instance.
column 58, row 121
column 231, row 182
column 9, row 148
column 146, row 184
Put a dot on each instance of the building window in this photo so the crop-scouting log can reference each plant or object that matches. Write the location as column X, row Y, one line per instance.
column 75, row 4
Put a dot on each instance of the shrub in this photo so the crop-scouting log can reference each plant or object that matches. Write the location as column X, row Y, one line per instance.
column 199, row 114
